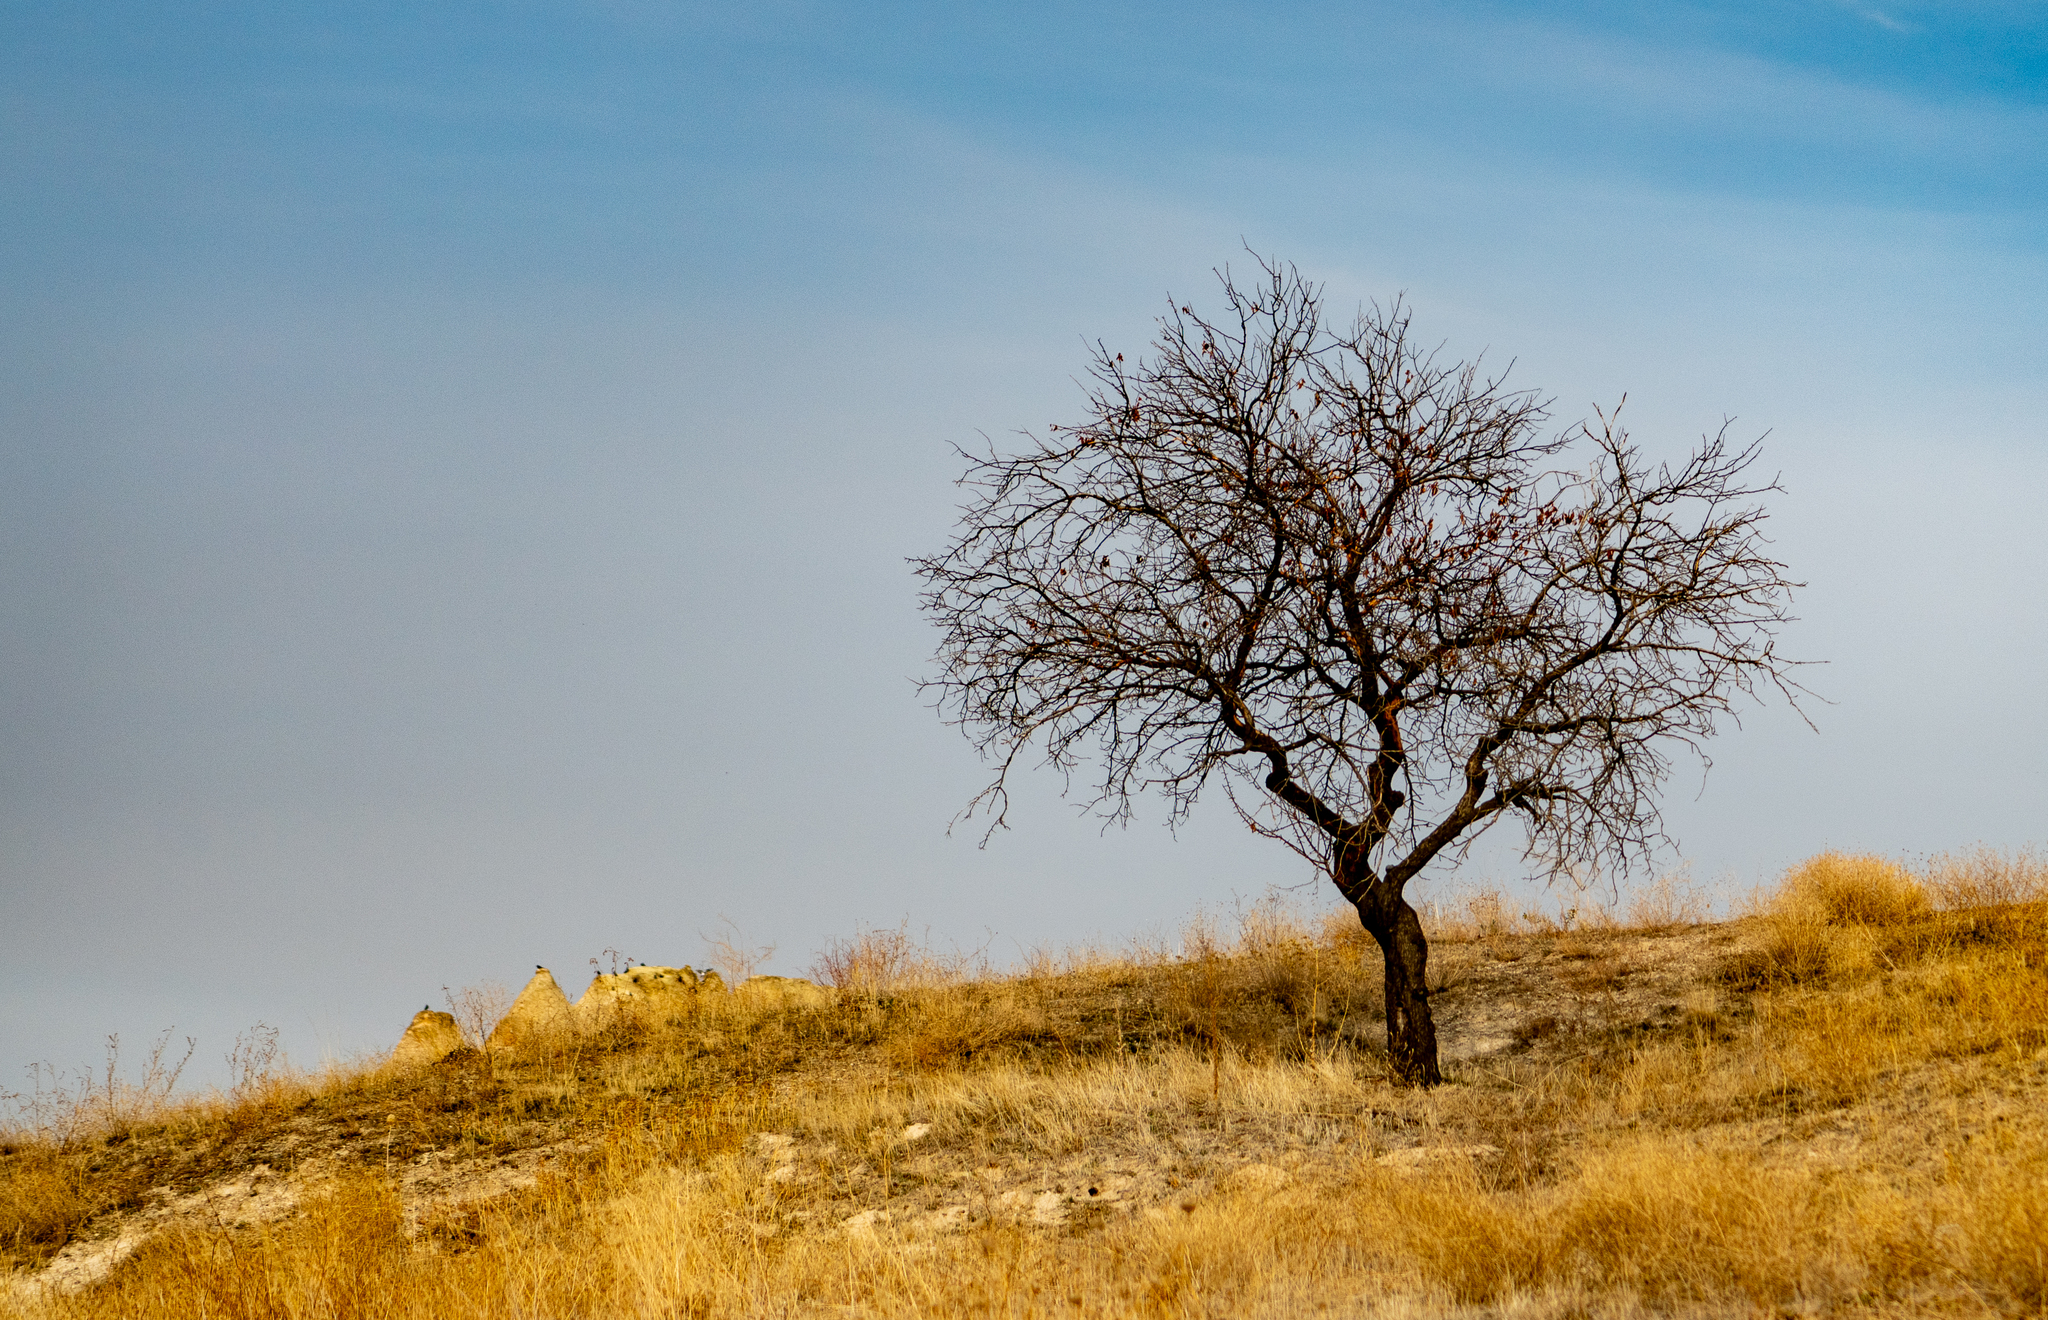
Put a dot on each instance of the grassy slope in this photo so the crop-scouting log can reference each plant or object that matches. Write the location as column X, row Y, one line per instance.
column 1836, row 1105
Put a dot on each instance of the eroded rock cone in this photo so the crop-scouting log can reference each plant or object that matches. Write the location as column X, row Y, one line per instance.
column 431, row 1038
column 657, row 994
column 540, row 1014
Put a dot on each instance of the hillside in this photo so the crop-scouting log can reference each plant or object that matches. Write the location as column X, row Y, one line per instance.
column 1837, row 1104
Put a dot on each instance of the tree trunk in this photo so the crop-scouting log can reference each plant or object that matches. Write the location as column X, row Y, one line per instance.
column 1411, row 1031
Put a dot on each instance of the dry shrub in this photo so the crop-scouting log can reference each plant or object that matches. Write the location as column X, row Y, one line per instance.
column 1984, row 877
column 1832, row 917
column 1487, row 915
column 1667, row 903
column 880, row 961
column 1850, row 889
column 1660, row 1220
column 42, row 1202
column 477, row 1010
column 1789, row 953
column 63, row 1107
column 1269, row 981
column 1283, row 984
column 950, row 1028
column 259, row 1074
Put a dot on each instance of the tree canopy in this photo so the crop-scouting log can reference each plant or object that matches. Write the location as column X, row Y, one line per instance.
column 1367, row 591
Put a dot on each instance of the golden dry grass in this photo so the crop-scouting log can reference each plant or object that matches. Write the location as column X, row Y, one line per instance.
column 1834, row 1106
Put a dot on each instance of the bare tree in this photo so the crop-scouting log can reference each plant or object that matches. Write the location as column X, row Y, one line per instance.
column 1366, row 592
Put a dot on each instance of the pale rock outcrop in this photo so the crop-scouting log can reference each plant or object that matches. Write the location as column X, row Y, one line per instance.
column 650, row 994
column 431, row 1038
column 540, row 1014
column 781, row 992
column 655, row 995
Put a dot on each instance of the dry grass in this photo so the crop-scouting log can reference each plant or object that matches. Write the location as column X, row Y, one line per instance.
column 1668, row 902
column 1983, row 877
column 1842, row 889
column 44, row 1199
column 1833, row 1106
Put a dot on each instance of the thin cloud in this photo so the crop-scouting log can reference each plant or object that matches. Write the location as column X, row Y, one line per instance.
column 1885, row 21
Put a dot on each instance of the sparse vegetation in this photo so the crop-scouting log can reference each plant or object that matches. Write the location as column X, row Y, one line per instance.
column 1834, row 1104
column 477, row 1009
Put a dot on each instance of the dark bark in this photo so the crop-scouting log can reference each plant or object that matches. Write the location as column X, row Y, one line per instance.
column 1388, row 918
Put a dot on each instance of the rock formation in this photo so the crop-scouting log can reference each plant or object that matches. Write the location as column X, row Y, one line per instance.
column 540, row 1014
column 431, row 1038
column 653, row 994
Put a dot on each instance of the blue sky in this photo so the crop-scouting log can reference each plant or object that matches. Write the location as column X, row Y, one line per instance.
column 456, row 463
